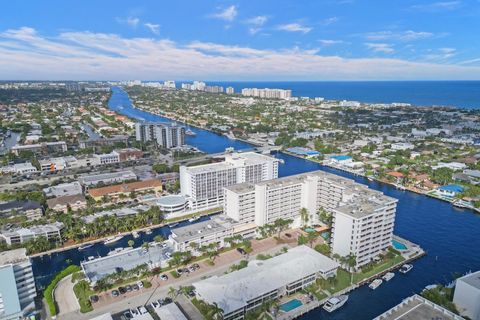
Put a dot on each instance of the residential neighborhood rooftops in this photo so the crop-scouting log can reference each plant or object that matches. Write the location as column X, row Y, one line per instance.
column 125, row 187
column 65, row 200
column 20, row 205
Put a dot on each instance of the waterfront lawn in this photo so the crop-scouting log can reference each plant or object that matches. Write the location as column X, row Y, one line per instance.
column 340, row 282
column 382, row 266
column 83, row 292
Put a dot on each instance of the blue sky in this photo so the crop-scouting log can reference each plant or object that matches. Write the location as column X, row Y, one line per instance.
column 240, row 40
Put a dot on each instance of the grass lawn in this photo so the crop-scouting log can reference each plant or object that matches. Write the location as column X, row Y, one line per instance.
column 83, row 292
column 340, row 282
column 357, row 277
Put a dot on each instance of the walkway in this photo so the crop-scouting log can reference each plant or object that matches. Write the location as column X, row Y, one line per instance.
column 65, row 297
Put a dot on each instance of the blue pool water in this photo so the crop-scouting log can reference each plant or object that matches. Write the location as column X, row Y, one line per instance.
column 398, row 245
column 290, row 305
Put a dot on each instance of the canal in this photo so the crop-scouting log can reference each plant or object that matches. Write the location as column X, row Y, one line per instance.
column 448, row 234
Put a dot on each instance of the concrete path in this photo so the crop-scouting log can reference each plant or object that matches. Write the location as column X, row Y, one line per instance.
column 65, row 297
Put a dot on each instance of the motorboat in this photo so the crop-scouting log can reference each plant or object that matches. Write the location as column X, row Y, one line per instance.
column 405, row 268
column 335, row 303
column 192, row 219
column 148, row 231
column 85, row 246
column 173, row 225
column 189, row 132
column 135, row 234
column 388, row 276
column 111, row 240
column 375, row 284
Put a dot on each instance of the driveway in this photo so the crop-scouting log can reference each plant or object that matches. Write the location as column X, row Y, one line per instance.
column 65, row 297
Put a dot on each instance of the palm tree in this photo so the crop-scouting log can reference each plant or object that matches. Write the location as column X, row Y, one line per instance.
column 172, row 293
column 131, row 243
column 304, row 216
column 215, row 312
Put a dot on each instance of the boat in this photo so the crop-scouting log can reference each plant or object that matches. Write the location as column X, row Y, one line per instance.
column 148, row 231
column 388, row 276
column 192, row 219
column 375, row 284
column 334, row 303
column 463, row 204
column 430, row 287
column 85, row 246
column 400, row 187
column 189, row 132
column 369, row 178
column 90, row 258
column 405, row 268
column 111, row 240
column 173, row 225
column 135, row 234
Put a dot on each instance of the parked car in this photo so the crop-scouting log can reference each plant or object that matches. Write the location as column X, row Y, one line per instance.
column 164, row 277
column 134, row 312
column 179, row 270
column 140, row 284
column 115, row 293
column 142, row 310
column 155, row 304
column 135, row 287
column 122, row 290
column 241, row 251
column 128, row 288
column 167, row 301
column 128, row 315
column 94, row 298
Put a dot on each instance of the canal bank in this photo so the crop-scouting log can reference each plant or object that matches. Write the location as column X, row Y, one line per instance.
column 448, row 234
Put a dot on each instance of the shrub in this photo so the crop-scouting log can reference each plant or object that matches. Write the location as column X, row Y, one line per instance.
column 174, row 274
column 83, row 292
column 48, row 293
column 147, row 284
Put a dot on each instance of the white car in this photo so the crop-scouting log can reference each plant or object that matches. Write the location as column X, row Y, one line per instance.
column 142, row 310
column 155, row 304
column 140, row 284
column 134, row 312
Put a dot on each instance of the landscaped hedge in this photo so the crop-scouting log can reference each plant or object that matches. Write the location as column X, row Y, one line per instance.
column 48, row 292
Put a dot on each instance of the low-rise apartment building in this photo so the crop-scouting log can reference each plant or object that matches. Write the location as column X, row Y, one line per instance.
column 63, row 189
column 20, row 235
column 107, row 178
column 32, row 210
column 126, row 189
column 62, row 204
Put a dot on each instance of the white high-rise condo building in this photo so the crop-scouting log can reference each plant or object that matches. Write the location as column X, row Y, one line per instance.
column 166, row 136
column 363, row 219
column 267, row 93
column 230, row 90
column 203, row 185
column 17, row 285
column 169, row 84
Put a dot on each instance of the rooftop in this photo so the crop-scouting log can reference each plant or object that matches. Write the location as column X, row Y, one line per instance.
column 65, row 200
column 20, row 205
column 233, row 290
column 94, row 178
column 170, row 312
column 13, row 256
column 9, row 302
column 125, row 187
column 203, row 228
column 417, row 308
column 472, row 279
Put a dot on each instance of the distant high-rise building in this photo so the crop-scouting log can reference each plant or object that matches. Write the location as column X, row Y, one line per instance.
column 166, row 136
column 17, row 285
column 73, row 86
column 198, row 85
column 169, row 84
column 230, row 90
column 267, row 93
column 214, row 89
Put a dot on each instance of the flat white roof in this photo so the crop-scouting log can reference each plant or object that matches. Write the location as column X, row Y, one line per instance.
column 106, row 316
column 170, row 312
column 472, row 279
column 234, row 290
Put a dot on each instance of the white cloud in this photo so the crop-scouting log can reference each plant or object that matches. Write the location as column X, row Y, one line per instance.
column 329, row 21
column 258, row 20
column 227, row 14
column 438, row 6
column 294, row 27
column 408, row 35
column 441, row 54
column 329, row 42
column 154, row 28
column 26, row 54
column 380, row 47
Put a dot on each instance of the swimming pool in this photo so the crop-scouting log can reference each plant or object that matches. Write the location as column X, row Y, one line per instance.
column 309, row 230
column 290, row 305
column 398, row 245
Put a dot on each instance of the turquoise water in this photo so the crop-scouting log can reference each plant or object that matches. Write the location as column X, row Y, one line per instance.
column 398, row 245
column 309, row 230
column 326, row 235
column 290, row 305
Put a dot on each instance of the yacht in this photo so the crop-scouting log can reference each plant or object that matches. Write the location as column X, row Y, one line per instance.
column 388, row 276
column 135, row 234
column 189, row 132
column 111, row 240
column 334, row 303
column 85, row 246
column 406, row 268
column 375, row 284
column 192, row 219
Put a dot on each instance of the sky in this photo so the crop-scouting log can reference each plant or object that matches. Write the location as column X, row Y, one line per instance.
column 240, row 40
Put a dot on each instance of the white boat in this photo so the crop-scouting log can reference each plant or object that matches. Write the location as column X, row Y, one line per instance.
column 189, row 132
column 334, row 303
column 85, row 246
column 135, row 234
column 375, row 284
column 111, row 240
column 148, row 231
column 400, row 187
column 406, row 268
column 388, row 276
column 192, row 219
column 369, row 178
column 172, row 225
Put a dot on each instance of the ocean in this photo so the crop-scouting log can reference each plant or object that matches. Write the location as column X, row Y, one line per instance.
column 463, row 94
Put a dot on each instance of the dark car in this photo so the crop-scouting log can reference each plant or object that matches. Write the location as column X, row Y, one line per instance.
column 115, row 293
column 122, row 290
column 94, row 298
column 241, row 251
column 128, row 288
column 135, row 287
column 167, row 301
